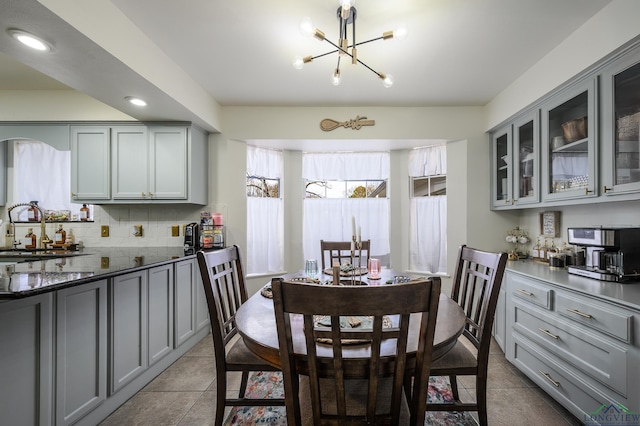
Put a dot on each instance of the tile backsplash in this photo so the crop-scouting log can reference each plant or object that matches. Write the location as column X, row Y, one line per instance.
column 156, row 221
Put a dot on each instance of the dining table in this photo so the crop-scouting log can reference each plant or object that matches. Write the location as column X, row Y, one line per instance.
column 256, row 324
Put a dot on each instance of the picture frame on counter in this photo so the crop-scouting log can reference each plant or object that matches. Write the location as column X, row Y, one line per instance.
column 550, row 224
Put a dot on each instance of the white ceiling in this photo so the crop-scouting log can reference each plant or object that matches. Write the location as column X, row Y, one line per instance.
column 458, row 52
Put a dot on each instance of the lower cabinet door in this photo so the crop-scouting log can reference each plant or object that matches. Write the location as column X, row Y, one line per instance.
column 81, row 352
column 160, row 298
column 185, row 319
column 128, row 328
column 26, row 361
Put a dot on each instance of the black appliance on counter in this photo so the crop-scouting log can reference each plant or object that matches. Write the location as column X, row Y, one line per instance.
column 191, row 238
column 606, row 253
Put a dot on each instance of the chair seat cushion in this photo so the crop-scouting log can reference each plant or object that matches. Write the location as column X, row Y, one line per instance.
column 356, row 392
column 239, row 355
column 458, row 358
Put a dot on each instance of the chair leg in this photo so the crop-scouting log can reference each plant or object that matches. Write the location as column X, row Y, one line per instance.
column 221, row 397
column 481, row 400
column 243, row 384
column 453, row 380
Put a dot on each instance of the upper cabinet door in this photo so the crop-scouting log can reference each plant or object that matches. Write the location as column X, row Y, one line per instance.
column 501, row 161
column 168, row 162
column 90, row 163
column 621, row 125
column 526, row 159
column 130, row 147
column 569, row 141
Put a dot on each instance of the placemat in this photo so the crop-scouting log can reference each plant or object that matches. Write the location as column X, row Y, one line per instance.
column 349, row 322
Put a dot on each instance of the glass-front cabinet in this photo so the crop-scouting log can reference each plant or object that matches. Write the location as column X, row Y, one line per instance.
column 621, row 126
column 569, row 143
column 526, row 148
column 501, row 153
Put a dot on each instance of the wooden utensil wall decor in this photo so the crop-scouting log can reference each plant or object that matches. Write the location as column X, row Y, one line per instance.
column 328, row 124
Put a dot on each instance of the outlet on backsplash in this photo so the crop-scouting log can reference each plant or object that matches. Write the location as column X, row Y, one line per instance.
column 175, row 230
column 104, row 231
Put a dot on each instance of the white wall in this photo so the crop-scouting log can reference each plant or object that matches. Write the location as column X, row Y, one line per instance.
column 615, row 25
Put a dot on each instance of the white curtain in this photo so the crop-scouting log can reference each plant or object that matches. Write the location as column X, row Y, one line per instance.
column 265, row 217
column 330, row 218
column 49, row 185
column 428, row 226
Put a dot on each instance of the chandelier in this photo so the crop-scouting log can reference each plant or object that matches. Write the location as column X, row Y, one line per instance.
column 346, row 15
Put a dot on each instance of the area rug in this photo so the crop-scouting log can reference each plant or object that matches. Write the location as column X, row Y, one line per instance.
column 269, row 385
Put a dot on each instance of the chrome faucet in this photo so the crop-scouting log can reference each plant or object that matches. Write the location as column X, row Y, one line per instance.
column 44, row 239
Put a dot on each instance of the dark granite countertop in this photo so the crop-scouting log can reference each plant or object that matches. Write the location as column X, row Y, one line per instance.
column 25, row 278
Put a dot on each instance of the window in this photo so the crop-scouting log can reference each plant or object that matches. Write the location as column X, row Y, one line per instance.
column 428, row 225
column 263, row 187
column 342, row 186
column 345, row 189
column 265, row 211
column 429, row 186
column 42, row 174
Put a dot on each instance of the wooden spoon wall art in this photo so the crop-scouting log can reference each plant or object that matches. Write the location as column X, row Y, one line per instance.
column 328, row 124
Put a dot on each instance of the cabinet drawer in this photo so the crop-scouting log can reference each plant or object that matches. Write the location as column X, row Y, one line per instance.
column 607, row 320
column 526, row 290
column 596, row 356
column 572, row 392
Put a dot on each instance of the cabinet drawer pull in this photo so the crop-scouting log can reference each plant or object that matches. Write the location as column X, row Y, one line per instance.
column 607, row 189
column 548, row 377
column 577, row 312
column 528, row 293
column 588, row 191
column 548, row 333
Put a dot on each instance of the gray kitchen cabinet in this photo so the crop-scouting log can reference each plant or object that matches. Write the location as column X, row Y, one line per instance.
column 515, row 159
column 81, row 351
column 202, row 310
column 160, row 312
column 621, row 127
column 501, row 154
column 26, row 361
column 185, row 297
column 90, row 163
column 128, row 328
column 570, row 141
column 582, row 350
column 139, row 163
column 499, row 321
column 130, row 154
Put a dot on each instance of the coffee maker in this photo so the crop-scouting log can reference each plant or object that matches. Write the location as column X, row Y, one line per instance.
column 191, row 238
column 606, row 253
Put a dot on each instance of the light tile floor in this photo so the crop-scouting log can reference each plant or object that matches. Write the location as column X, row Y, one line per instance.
column 184, row 394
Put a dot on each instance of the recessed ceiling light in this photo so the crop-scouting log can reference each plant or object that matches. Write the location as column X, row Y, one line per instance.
column 136, row 101
column 30, row 40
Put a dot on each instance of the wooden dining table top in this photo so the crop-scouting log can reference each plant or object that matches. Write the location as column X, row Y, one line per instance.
column 256, row 324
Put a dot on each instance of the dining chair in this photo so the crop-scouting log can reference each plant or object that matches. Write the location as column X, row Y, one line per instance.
column 337, row 251
column 367, row 389
column 224, row 287
column 476, row 286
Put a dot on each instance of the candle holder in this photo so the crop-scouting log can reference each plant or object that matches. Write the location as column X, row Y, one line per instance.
column 357, row 245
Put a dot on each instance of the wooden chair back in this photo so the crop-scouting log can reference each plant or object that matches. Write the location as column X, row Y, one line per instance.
column 397, row 302
column 476, row 287
column 340, row 251
column 225, row 290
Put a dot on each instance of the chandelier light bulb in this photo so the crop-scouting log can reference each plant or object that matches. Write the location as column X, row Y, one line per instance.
column 298, row 62
column 387, row 81
column 400, row 33
column 336, row 78
column 306, row 27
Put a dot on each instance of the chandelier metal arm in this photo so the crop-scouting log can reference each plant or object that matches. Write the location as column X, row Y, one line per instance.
column 350, row 55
